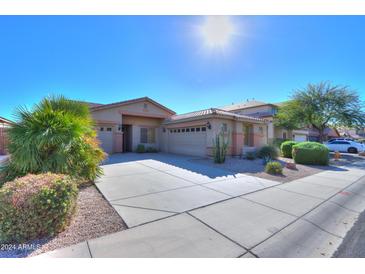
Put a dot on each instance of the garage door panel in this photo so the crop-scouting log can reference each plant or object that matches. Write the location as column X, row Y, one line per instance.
column 188, row 143
column 106, row 141
column 300, row 138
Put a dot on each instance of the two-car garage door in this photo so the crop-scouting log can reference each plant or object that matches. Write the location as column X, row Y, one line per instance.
column 188, row 142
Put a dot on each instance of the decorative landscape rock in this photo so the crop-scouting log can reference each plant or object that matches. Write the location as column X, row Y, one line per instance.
column 291, row 165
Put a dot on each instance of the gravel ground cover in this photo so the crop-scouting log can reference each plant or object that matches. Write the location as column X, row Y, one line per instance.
column 94, row 218
column 256, row 167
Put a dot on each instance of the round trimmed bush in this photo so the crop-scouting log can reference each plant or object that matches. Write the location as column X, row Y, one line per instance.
column 268, row 151
column 310, row 153
column 286, row 148
column 274, row 168
column 35, row 206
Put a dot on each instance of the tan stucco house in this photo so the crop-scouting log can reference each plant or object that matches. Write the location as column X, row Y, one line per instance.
column 267, row 111
column 122, row 126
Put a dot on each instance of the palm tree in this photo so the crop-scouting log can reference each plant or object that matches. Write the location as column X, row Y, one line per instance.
column 56, row 136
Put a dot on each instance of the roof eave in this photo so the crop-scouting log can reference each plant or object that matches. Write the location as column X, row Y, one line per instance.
column 211, row 116
column 132, row 101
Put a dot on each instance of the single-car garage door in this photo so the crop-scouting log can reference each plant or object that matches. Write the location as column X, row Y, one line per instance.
column 300, row 138
column 188, row 141
column 105, row 136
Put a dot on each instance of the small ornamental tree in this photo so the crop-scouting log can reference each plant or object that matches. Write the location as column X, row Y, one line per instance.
column 57, row 136
column 320, row 106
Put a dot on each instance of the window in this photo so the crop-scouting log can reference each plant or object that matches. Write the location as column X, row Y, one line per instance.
column 108, row 129
column 147, row 135
column 193, row 129
column 197, row 129
column 342, row 143
column 101, row 129
column 204, row 129
column 178, row 130
column 183, row 130
column 188, row 130
column 145, row 106
column 170, row 130
column 120, row 128
column 174, row 130
column 284, row 135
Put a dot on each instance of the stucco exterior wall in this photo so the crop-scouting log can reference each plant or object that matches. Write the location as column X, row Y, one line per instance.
column 139, row 115
column 278, row 133
column 113, row 114
column 216, row 129
column 107, row 115
column 142, row 121
column 260, row 135
column 140, row 108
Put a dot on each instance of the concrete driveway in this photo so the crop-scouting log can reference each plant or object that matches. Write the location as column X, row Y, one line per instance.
column 146, row 187
column 177, row 208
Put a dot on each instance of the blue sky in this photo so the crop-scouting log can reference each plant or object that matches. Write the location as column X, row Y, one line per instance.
column 106, row 59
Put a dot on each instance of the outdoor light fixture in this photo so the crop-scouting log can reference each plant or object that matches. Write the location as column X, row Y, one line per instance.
column 209, row 126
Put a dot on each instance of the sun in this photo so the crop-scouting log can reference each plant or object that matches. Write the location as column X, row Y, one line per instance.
column 217, row 31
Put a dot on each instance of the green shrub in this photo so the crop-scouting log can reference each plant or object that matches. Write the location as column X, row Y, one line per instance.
column 270, row 151
column 57, row 136
column 141, row 148
column 286, row 148
column 250, row 155
column 274, row 168
column 278, row 141
column 151, row 150
column 310, row 153
column 36, row 206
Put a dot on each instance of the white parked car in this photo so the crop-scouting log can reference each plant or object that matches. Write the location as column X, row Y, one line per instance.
column 339, row 139
column 345, row 146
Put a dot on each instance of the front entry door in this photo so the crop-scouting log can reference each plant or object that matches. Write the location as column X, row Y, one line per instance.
column 127, row 138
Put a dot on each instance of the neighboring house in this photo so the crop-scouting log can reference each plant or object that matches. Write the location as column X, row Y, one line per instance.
column 124, row 125
column 351, row 133
column 4, row 125
column 329, row 133
column 267, row 111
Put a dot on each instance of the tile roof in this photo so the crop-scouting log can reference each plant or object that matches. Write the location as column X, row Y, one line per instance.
column 208, row 112
column 4, row 120
column 126, row 102
column 243, row 105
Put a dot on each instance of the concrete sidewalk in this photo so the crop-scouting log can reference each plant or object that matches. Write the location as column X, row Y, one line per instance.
column 308, row 217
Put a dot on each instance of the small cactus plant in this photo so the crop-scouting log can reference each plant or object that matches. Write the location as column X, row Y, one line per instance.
column 220, row 147
column 266, row 159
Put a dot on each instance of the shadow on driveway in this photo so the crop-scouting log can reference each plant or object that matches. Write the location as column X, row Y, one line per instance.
column 187, row 163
